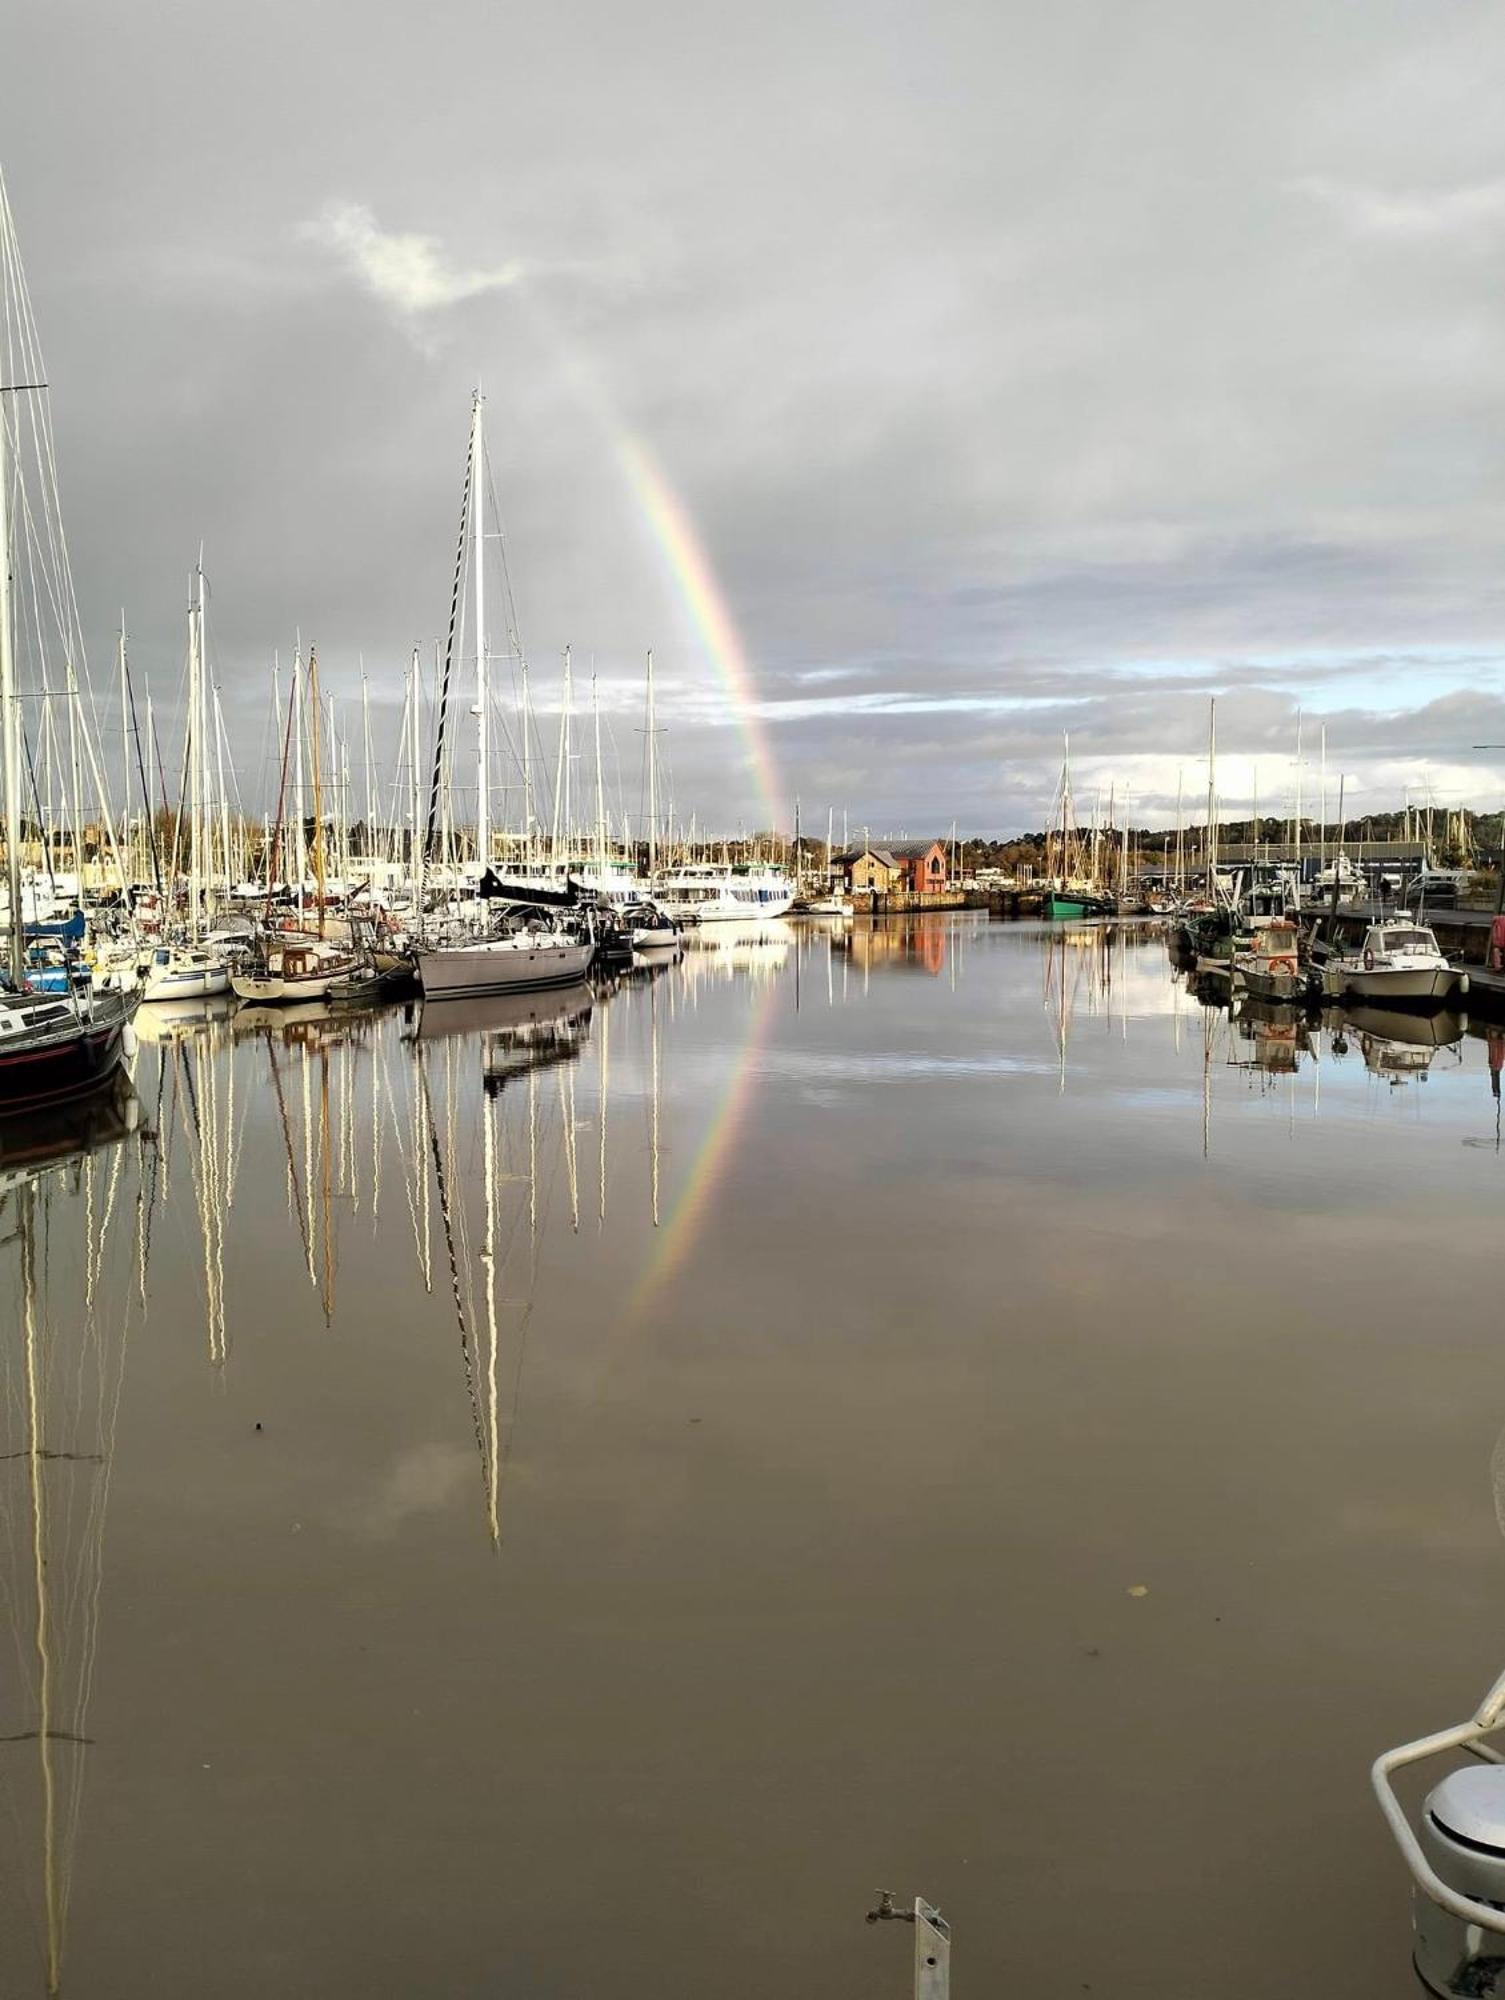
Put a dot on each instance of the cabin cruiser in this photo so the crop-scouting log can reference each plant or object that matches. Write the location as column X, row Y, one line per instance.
column 1341, row 874
column 715, row 894
column 1399, row 964
column 648, row 926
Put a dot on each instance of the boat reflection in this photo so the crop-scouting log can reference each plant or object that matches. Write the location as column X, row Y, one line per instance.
column 67, row 1247
column 760, row 945
column 1278, row 1036
column 66, row 1134
column 536, row 1040
column 1396, row 1046
column 159, row 1021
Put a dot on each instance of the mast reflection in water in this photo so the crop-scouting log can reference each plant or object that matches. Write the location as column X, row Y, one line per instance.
column 542, row 1448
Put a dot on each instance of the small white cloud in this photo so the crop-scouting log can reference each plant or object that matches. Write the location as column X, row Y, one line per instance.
column 1443, row 212
column 405, row 270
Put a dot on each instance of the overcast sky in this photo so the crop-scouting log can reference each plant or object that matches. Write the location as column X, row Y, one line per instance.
column 1020, row 368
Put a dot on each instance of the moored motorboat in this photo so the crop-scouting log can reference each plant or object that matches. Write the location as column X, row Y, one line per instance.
column 1398, row 965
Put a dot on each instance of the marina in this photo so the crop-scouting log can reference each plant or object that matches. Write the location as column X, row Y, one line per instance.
column 752, row 1004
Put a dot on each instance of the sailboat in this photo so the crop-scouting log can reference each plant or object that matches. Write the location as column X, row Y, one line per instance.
column 295, row 969
column 53, row 1046
column 543, row 940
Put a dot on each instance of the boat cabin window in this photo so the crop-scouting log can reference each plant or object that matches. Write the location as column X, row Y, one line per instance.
column 1408, row 940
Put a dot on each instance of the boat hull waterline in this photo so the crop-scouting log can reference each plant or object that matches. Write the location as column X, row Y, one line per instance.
column 450, row 972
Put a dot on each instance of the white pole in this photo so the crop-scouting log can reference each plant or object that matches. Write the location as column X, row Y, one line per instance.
column 12, row 718
column 652, row 777
column 477, row 557
column 195, row 756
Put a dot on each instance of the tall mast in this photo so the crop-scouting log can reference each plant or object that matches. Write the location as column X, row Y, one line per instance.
column 195, row 755
column 224, row 795
column 527, row 772
column 600, row 789
column 477, row 559
column 366, row 753
column 316, row 706
column 652, row 777
column 1212, row 770
column 12, row 719
column 1296, row 836
column 1322, row 829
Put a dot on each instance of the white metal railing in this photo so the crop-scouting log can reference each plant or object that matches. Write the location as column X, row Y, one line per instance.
column 1488, row 1717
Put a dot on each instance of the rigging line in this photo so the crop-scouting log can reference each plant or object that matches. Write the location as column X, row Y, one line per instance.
column 454, row 1272
column 287, row 1140
column 449, row 658
column 146, row 797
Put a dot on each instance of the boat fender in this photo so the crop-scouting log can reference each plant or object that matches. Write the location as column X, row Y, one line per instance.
column 1368, row 959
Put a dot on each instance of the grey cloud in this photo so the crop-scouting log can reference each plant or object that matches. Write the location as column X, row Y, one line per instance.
column 1020, row 368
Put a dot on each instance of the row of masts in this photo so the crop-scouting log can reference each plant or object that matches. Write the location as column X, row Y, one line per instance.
column 1107, row 852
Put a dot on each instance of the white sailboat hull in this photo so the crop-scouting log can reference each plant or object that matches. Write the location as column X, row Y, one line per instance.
column 448, row 972
column 272, row 989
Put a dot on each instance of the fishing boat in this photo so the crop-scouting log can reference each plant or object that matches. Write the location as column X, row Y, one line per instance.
column 1076, row 899
column 1268, row 965
column 1399, row 964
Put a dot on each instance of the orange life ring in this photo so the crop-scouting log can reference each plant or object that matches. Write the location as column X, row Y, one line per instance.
column 1368, row 959
column 1284, row 963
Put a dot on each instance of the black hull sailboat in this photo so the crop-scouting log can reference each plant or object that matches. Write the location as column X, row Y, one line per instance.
column 53, row 1053
column 54, row 1047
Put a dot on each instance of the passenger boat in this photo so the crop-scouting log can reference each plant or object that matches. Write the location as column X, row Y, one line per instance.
column 717, row 894
column 1399, row 964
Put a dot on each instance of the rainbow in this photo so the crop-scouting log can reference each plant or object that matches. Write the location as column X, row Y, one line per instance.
column 696, row 581
column 678, row 1234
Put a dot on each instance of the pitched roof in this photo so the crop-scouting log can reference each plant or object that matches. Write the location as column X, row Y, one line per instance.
column 892, row 852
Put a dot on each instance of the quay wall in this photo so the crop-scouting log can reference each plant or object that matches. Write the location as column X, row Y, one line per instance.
column 900, row 902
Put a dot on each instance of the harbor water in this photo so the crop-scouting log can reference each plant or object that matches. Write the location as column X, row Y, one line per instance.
column 576, row 1496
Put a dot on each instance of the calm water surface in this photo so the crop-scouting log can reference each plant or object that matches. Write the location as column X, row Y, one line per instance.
column 573, row 1500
